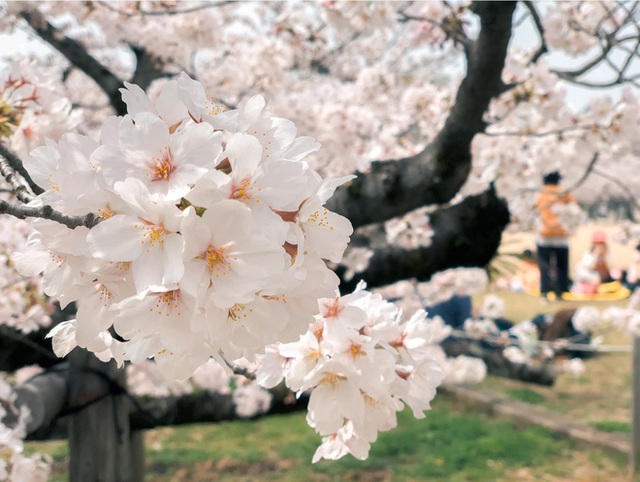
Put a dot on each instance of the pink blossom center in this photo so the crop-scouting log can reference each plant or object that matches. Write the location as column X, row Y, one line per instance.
column 162, row 167
column 217, row 260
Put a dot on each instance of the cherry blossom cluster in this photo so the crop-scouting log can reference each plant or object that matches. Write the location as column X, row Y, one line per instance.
column 14, row 465
column 573, row 27
column 592, row 320
column 625, row 319
column 211, row 238
column 298, row 51
column 361, row 364
column 356, row 260
column 23, row 304
column 348, row 17
column 455, row 281
column 33, row 105
column 410, row 231
column 626, row 232
column 526, row 347
column 459, row 369
column 274, row 45
column 411, row 295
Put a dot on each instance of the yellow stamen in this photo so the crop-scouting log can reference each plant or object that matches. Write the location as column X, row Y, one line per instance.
column 162, row 167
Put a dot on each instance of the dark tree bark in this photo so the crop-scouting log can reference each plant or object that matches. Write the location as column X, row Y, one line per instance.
column 18, row 350
column 57, row 398
column 466, row 235
column 101, row 446
column 204, row 407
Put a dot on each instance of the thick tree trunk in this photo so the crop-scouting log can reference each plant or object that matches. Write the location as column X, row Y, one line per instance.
column 100, row 439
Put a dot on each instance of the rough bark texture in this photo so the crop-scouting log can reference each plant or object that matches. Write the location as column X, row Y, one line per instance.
column 100, row 438
column 467, row 234
column 46, row 398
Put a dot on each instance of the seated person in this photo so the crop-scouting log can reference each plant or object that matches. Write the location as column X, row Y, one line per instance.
column 593, row 268
column 558, row 325
column 458, row 309
column 454, row 311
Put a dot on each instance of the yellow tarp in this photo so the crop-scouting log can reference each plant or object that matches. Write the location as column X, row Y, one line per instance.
column 606, row 292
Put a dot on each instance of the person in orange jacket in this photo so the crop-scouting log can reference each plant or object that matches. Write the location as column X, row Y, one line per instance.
column 552, row 240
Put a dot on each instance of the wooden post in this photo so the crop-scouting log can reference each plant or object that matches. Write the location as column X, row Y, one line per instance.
column 100, row 442
column 634, row 456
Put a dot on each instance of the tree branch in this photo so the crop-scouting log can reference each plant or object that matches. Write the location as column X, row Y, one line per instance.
column 75, row 53
column 16, row 164
column 17, row 183
column 139, row 11
column 148, row 68
column 466, row 234
column 237, row 369
column 47, row 212
column 543, row 49
column 19, row 349
column 435, row 175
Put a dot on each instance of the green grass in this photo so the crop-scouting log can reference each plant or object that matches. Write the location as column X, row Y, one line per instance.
column 526, row 395
column 611, row 426
column 448, row 445
column 444, row 446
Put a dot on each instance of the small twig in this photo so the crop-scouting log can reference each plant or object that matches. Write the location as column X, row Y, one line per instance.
column 17, row 183
column 585, row 174
column 539, row 134
column 630, row 195
column 457, row 36
column 16, row 163
column 237, row 369
column 540, row 28
column 139, row 11
column 47, row 212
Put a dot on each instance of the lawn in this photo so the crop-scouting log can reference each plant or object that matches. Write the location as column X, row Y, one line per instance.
column 448, row 445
